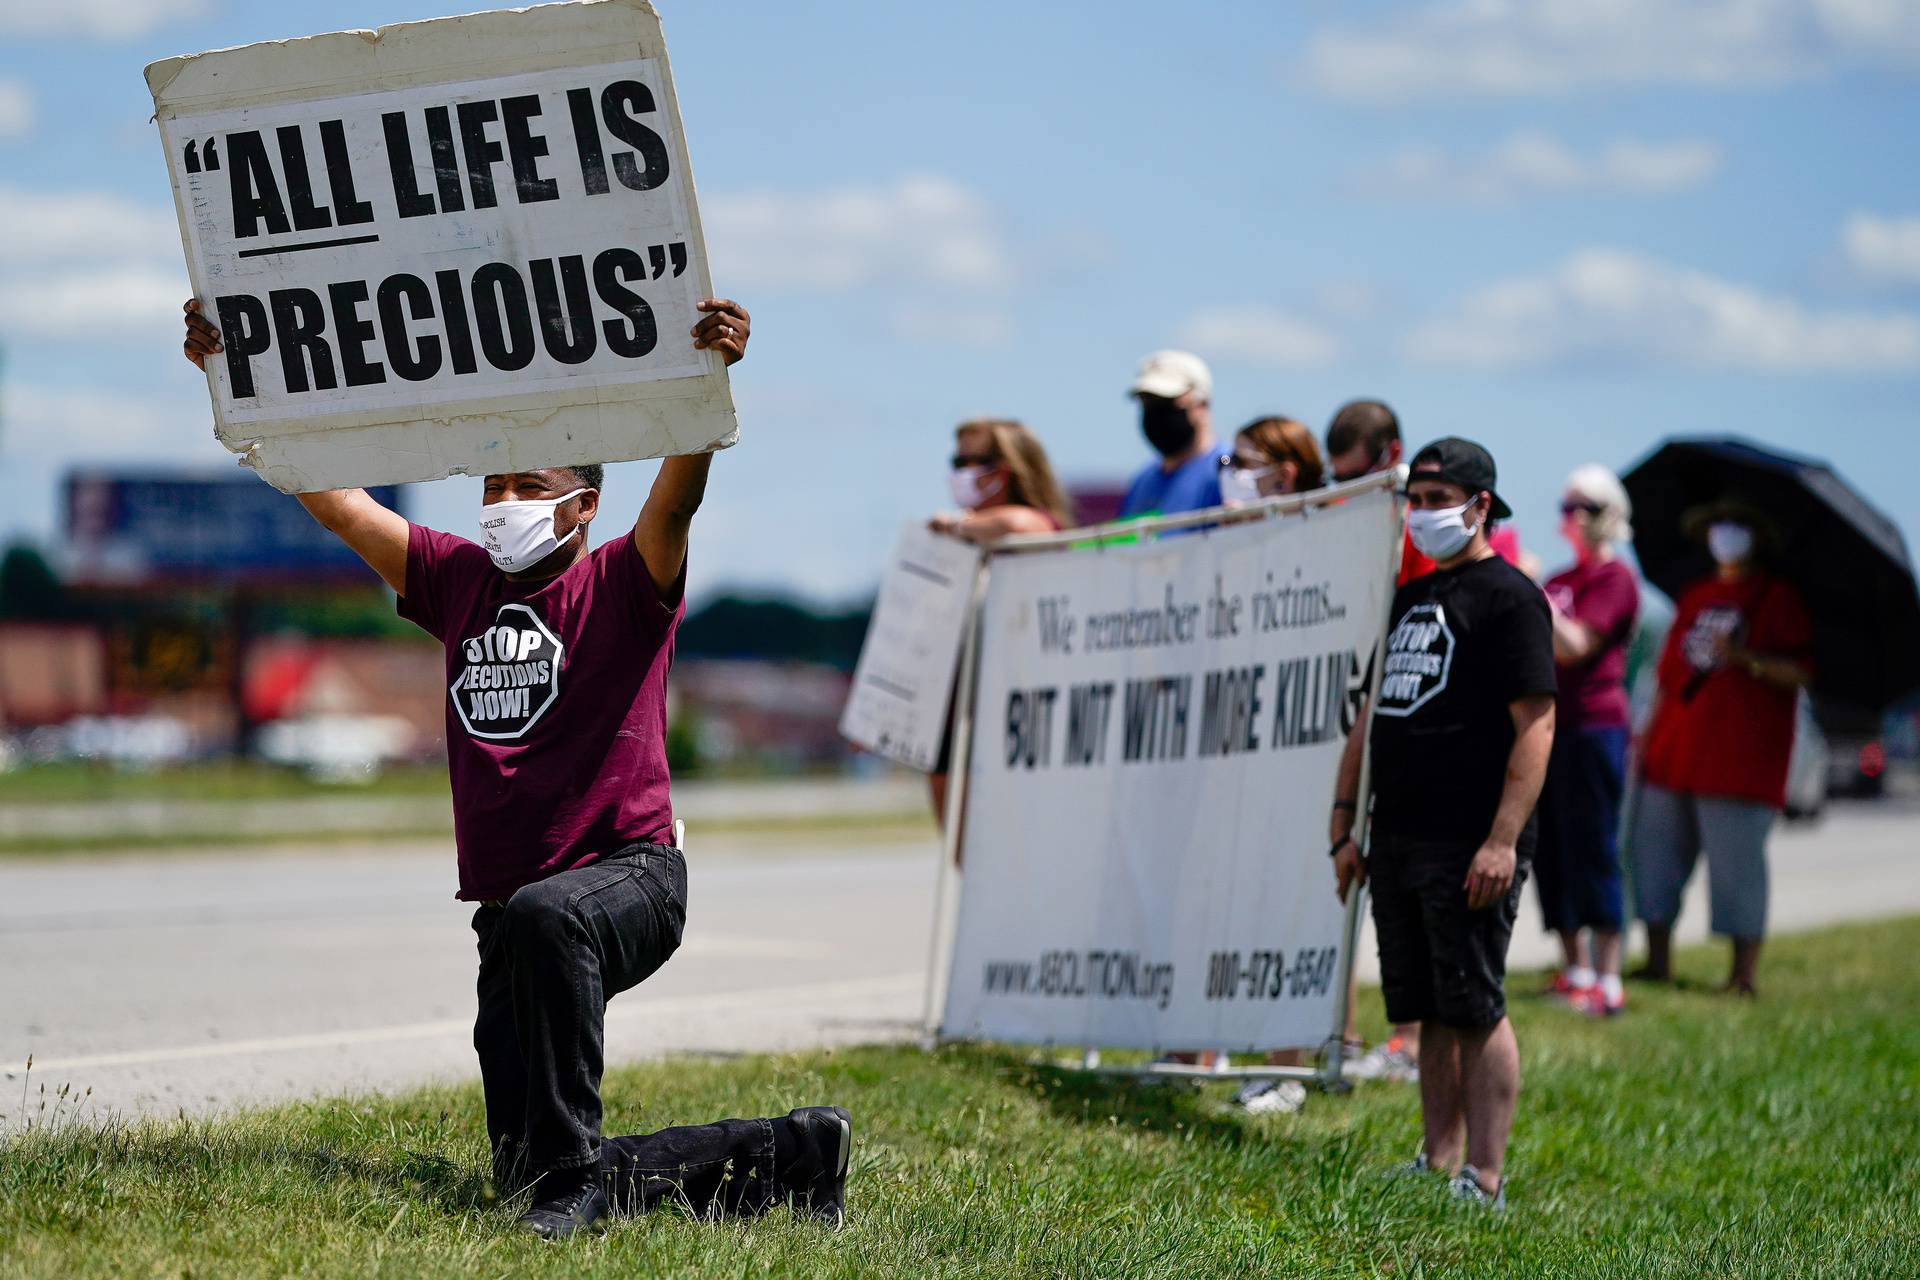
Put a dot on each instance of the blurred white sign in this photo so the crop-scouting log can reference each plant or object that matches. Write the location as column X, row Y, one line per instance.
column 464, row 245
column 903, row 684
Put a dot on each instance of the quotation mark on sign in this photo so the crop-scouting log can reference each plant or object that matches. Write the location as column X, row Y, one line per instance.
column 657, row 255
column 211, row 154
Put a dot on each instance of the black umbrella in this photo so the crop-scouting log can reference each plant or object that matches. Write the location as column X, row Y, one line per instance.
column 1847, row 559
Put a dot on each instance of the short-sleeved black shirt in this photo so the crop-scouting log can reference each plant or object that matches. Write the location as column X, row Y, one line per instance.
column 1463, row 644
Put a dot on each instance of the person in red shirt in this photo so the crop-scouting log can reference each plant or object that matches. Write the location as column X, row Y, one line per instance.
column 1714, row 761
column 556, row 670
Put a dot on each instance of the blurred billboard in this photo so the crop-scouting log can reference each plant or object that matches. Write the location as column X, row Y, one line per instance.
column 168, row 527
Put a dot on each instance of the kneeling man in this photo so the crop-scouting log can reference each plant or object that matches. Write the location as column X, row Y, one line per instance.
column 1460, row 741
column 556, row 664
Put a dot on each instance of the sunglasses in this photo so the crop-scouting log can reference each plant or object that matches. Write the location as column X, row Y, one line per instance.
column 963, row 460
column 1580, row 509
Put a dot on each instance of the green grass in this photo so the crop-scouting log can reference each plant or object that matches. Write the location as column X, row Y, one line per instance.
column 743, row 834
column 1699, row 1136
column 208, row 786
column 74, row 783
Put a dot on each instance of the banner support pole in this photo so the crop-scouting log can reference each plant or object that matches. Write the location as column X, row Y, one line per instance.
column 947, row 873
column 1333, row 1062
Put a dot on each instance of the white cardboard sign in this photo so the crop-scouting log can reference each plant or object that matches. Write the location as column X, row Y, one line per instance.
column 464, row 245
column 903, row 684
column 1156, row 733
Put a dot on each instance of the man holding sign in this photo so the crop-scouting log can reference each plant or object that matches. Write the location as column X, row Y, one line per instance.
column 1459, row 740
column 461, row 246
column 557, row 662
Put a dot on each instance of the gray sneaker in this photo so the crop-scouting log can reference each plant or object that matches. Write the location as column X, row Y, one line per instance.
column 1466, row 1187
column 1418, row 1167
column 1272, row 1097
column 1386, row 1061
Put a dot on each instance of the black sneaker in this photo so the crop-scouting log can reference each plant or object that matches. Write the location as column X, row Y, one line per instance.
column 818, row 1179
column 575, row 1205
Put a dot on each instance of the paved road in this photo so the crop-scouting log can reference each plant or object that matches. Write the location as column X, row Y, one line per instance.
column 202, row 982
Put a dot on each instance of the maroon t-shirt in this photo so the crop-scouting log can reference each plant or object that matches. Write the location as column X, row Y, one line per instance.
column 1603, row 595
column 556, row 706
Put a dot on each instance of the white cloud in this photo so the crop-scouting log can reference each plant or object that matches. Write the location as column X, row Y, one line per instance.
column 924, row 230
column 1614, row 306
column 16, row 109
column 1471, row 48
column 36, row 226
column 1533, row 163
column 88, row 265
column 1260, row 335
column 125, row 302
column 70, row 423
column 1351, row 299
column 954, row 326
column 1884, row 250
column 96, row 19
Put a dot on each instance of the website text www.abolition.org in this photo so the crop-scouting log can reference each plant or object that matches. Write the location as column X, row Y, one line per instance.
column 1095, row 974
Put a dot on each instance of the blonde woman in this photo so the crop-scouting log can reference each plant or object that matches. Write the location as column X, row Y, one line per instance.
column 1002, row 484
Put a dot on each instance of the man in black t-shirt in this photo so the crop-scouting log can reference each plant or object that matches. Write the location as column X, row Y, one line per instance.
column 1459, row 745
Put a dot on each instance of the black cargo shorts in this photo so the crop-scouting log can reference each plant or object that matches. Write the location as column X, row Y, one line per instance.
column 1440, row 961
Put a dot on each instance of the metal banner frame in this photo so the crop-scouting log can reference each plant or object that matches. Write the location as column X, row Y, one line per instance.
column 1328, row 1074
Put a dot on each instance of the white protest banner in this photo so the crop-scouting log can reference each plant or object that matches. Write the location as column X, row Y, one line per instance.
column 464, row 245
column 903, row 684
column 1157, row 729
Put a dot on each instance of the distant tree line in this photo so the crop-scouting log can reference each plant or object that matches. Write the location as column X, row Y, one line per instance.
column 774, row 630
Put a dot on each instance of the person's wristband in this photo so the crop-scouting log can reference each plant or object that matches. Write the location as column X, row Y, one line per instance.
column 1346, row 806
column 1342, row 843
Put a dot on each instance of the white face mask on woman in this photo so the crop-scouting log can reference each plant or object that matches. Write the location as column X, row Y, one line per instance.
column 1241, row 485
column 1441, row 534
column 1729, row 543
column 519, row 535
column 973, row 486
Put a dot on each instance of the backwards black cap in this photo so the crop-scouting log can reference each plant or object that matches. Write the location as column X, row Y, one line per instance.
column 1460, row 462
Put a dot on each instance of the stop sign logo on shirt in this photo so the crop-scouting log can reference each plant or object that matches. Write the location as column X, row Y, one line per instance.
column 510, row 676
column 1419, row 659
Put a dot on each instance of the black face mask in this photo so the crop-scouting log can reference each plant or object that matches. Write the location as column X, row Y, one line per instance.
column 1166, row 426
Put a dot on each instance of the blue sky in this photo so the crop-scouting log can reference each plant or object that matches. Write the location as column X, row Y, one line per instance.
column 1564, row 227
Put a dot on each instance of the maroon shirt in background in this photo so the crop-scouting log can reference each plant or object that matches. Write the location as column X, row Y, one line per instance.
column 1604, row 595
column 556, row 706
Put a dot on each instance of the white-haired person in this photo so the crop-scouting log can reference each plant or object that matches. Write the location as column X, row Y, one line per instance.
column 1595, row 603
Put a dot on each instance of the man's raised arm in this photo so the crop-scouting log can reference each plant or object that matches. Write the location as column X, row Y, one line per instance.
column 660, row 534
column 377, row 535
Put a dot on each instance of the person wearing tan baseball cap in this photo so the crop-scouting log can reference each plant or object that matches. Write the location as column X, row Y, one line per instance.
column 1174, row 390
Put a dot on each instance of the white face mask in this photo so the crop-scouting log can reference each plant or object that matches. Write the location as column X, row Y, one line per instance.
column 519, row 535
column 1442, row 534
column 1729, row 543
column 972, row 486
column 1241, row 485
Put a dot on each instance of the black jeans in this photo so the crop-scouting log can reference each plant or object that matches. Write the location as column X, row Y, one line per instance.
column 550, row 958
